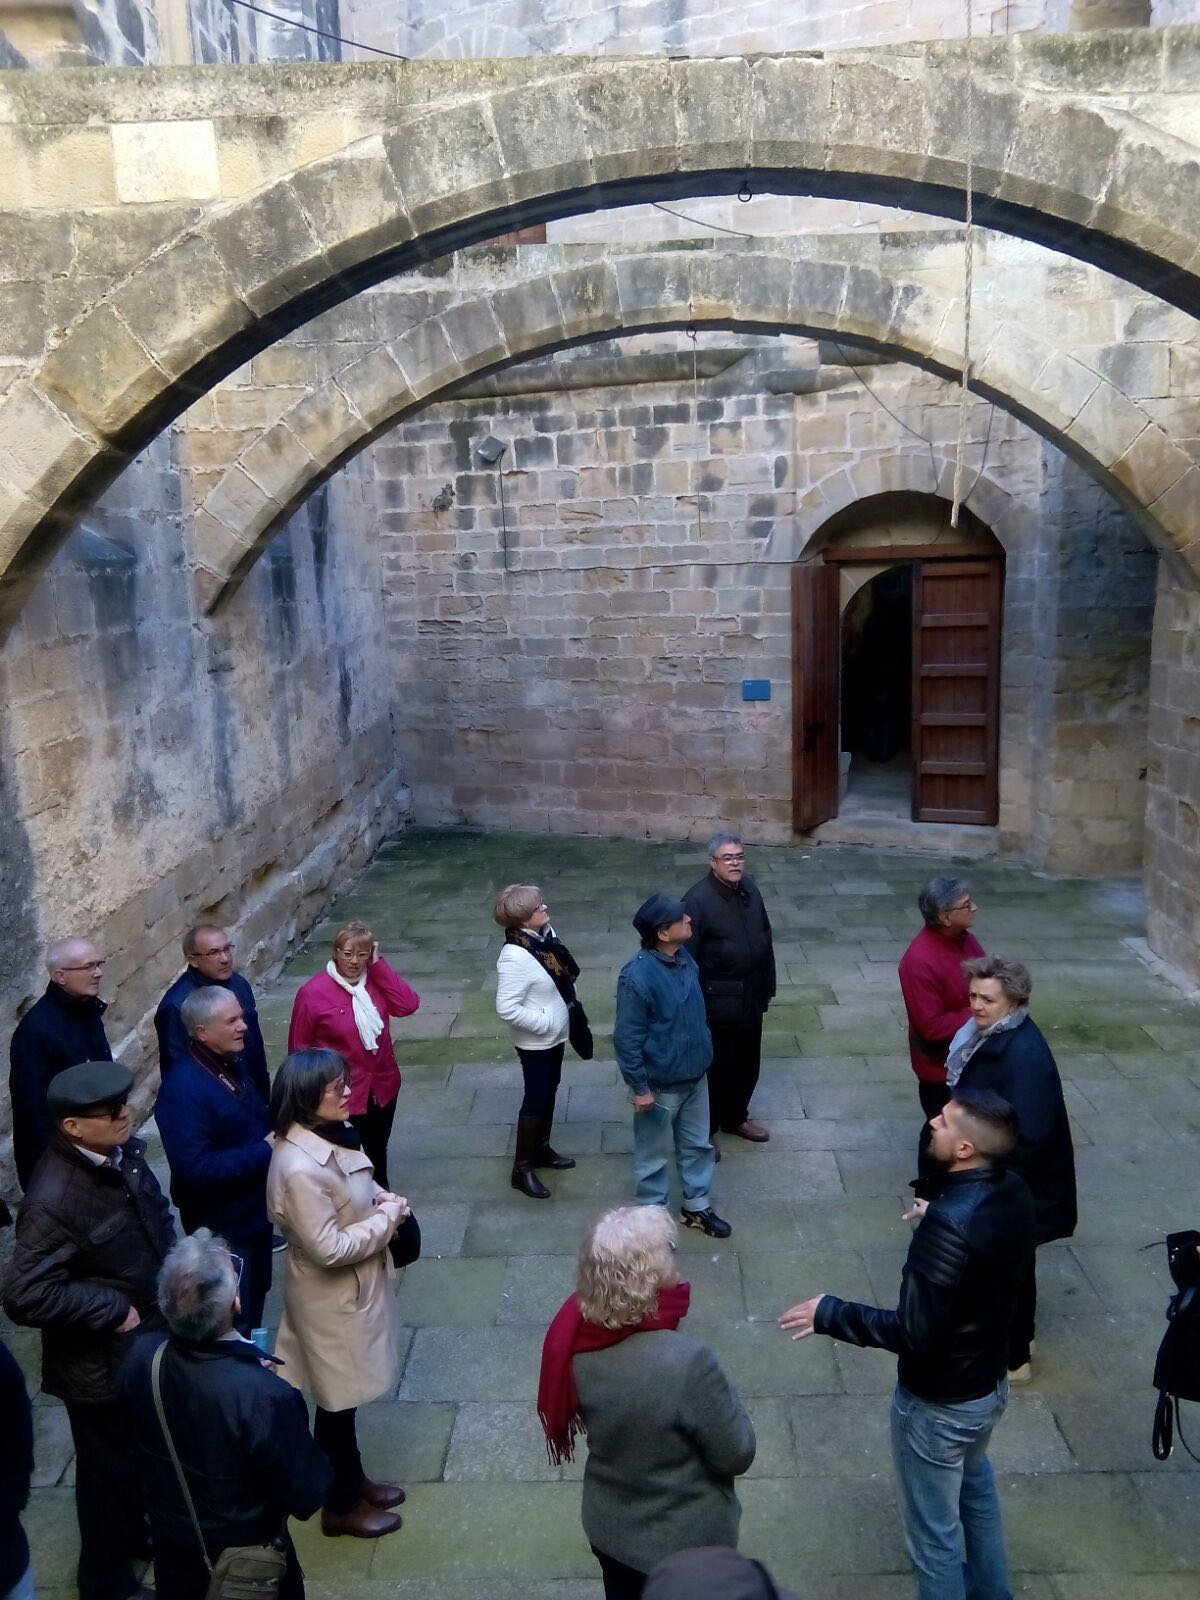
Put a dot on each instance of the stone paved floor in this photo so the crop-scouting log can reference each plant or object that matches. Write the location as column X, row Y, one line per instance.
column 1091, row 1515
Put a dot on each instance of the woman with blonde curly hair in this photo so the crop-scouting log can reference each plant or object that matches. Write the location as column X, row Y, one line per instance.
column 667, row 1434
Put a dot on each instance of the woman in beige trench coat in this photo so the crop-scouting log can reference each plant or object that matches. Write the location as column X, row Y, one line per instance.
column 339, row 1336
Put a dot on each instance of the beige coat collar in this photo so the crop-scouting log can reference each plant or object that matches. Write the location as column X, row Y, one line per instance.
column 322, row 1152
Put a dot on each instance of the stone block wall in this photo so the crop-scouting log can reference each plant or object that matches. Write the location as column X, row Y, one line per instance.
column 596, row 686
column 158, row 768
column 1173, row 779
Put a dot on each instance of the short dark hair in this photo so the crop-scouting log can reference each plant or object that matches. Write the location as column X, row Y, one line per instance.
column 299, row 1084
column 938, row 895
column 991, row 1122
column 193, row 934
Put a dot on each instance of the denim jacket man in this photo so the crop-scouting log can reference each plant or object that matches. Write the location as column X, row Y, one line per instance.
column 663, row 1048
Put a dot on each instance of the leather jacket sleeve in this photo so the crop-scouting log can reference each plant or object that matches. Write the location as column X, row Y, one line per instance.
column 937, row 1258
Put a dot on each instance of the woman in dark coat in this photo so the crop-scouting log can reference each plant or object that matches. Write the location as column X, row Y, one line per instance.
column 1002, row 1049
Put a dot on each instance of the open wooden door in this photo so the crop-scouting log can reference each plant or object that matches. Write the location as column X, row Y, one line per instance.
column 816, row 671
column 956, row 690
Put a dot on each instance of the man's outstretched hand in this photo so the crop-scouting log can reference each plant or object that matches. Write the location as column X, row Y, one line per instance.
column 799, row 1320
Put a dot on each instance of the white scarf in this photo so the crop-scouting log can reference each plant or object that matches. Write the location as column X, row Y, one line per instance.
column 366, row 1014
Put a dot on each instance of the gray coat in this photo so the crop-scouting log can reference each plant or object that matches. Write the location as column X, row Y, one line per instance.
column 667, row 1435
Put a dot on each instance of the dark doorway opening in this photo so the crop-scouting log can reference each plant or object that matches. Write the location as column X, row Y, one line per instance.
column 876, row 720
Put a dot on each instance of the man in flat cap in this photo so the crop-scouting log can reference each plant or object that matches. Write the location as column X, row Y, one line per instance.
column 62, row 1028
column 92, row 1232
column 663, row 1049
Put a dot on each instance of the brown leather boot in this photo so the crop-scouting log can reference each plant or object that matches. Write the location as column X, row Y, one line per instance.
column 383, row 1496
column 362, row 1521
column 524, row 1177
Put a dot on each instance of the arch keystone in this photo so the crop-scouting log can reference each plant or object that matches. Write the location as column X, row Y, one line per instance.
column 789, row 123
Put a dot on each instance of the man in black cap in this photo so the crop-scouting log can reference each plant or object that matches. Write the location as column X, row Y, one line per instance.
column 92, row 1233
column 663, row 1049
column 732, row 945
column 64, row 1027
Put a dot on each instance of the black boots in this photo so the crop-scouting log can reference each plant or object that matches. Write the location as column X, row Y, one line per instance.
column 543, row 1155
column 524, row 1178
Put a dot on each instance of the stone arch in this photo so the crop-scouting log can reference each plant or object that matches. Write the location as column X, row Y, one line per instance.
column 206, row 260
column 1068, row 403
column 911, row 472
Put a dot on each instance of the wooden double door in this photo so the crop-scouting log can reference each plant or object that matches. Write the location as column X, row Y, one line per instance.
column 956, row 610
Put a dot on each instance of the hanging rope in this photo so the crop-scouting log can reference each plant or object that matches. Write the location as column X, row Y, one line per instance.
column 964, row 398
column 691, row 333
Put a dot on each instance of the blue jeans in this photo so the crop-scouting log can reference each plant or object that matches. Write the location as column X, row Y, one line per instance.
column 679, row 1118
column 23, row 1588
column 948, row 1500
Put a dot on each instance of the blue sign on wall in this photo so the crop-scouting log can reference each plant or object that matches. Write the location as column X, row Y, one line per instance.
column 756, row 688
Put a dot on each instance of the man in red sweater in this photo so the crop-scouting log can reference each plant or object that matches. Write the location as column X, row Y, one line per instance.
column 934, row 984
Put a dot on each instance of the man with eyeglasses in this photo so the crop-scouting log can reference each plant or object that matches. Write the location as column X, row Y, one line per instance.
column 61, row 1029
column 934, row 984
column 731, row 943
column 91, row 1236
column 208, row 952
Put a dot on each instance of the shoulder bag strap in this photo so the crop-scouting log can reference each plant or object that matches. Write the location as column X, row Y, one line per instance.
column 155, row 1384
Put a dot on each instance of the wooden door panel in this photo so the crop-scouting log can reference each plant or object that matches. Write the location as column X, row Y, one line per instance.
column 956, row 690
column 816, row 676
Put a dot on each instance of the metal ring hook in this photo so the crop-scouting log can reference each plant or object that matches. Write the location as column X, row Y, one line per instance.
column 745, row 192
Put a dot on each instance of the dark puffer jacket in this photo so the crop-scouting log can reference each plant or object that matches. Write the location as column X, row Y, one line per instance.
column 90, row 1241
column 1018, row 1065
column 731, row 943
column 965, row 1264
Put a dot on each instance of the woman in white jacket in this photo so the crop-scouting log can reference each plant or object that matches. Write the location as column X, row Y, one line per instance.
column 535, row 981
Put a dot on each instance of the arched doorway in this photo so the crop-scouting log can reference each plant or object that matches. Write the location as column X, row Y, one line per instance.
column 896, row 666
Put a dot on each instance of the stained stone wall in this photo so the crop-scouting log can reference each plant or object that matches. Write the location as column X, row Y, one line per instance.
column 156, row 768
column 596, row 686
column 1173, row 779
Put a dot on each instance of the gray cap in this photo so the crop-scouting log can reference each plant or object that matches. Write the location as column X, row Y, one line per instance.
column 91, row 1083
column 656, row 913
column 713, row 1572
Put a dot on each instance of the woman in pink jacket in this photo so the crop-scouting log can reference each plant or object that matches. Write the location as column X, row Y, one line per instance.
column 346, row 1008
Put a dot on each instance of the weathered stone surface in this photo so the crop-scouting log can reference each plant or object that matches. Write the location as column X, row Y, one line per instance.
column 156, row 161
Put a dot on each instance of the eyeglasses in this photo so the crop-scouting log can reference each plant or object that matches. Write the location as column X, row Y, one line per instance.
column 219, row 950
column 108, row 1111
column 238, row 1264
column 730, row 861
column 86, row 966
column 542, row 907
column 964, row 905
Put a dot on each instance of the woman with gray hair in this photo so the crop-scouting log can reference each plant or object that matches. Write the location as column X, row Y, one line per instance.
column 240, row 1432
column 667, row 1433
column 933, row 984
column 1001, row 1048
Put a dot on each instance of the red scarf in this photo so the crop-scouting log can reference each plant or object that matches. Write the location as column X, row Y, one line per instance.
column 569, row 1335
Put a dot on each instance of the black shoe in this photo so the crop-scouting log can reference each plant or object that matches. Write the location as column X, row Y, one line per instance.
column 707, row 1221
column 546, row 1157
column 528, row 1182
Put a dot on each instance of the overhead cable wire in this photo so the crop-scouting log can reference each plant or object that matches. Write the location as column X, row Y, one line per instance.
column 293, row 22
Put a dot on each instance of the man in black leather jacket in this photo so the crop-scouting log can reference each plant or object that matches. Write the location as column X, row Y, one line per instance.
column 950, row 1331
column 240, row 1431
column 92, row 1232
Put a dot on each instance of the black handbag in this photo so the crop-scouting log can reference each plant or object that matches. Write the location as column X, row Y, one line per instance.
column 404, row 1246
column 579, row 1031
column 1177, row 1366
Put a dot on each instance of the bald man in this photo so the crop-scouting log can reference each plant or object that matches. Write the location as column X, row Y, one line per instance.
column 63, row 1028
